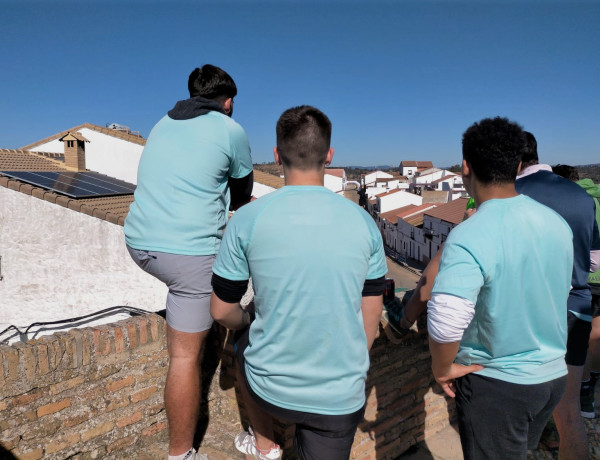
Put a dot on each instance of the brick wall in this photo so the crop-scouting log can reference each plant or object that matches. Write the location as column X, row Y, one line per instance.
column 97, row 393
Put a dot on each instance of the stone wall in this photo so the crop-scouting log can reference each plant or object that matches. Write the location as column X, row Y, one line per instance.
column 97, row 393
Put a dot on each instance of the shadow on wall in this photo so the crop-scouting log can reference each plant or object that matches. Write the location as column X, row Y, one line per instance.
column 6, row 455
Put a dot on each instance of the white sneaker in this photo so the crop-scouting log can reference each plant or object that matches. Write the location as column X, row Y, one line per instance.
column 245, row 442
column 193, row 455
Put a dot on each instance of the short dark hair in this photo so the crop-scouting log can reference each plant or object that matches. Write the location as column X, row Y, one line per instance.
column 530, row 154
column 303, row 137
column 493, row 147
column 211, row 82
column 566, row 171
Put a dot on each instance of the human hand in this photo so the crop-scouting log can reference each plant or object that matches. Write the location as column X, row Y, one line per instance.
column 446, row 379
column 469, row 213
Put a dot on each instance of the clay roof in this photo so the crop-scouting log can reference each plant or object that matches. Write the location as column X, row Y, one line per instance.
column 418, row 164
column 335, row 172
column 73, row 135
column 20, row 160
column 452, row 211
column 135, row 138
column 444, row 179
column 396, row 190
column 270, row 180
column 113, row 209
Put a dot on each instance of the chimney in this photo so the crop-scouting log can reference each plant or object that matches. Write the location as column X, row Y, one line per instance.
column 74, row 151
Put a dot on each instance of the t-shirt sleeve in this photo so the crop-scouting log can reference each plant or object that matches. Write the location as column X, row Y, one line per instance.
column 460, row 274
column 596, row 238
column 241, row 160
column 377, row 263
column 231, row 262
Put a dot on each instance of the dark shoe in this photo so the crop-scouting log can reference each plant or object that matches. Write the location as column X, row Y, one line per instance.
column 586, row 399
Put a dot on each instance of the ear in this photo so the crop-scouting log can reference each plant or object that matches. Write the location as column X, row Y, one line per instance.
column 329, row 157
column 465, row 168
column 228, row 105
column 520, row 168
column 276, row 156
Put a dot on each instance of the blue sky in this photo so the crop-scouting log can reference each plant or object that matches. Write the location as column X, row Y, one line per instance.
column 400, row 80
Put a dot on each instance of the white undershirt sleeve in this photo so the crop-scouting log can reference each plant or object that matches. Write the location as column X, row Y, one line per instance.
column 595, row 260
column 448, row 317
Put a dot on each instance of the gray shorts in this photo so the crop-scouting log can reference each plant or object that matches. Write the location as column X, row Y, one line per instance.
column 189, row 281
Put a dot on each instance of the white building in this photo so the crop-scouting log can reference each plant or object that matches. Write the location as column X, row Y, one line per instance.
column 411, row 169
column 395, row 199
column 113, row 152
column 335, row 179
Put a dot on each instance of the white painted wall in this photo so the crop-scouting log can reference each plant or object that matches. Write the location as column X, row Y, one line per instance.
column 398, row 200
column 104, row 154
column 370, row 178
column 58, row 264
column 334, row 183
column 259, row 189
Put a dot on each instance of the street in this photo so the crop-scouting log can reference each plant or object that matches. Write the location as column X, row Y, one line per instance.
column 402, row 277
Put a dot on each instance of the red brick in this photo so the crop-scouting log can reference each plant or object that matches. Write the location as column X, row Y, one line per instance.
column 54, row 407
column 121, row 444
column 132, row 334
column 76, row 420
column 143, row 394
column 128, row 420
column 120, row 384
column 29, row 397
column 154, row 429
column 119, row 340
column 61, row 443
column 97, row 431
column 143, row 323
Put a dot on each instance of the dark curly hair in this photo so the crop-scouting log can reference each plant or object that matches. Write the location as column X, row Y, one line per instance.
column 494, row 147
column 303, row 137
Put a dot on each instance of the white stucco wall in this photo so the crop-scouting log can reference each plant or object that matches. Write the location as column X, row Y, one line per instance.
column 58, row 264
column 371, row 177
column 104, row 154
column 259, row 189
column 334, row 183
column 398, row 200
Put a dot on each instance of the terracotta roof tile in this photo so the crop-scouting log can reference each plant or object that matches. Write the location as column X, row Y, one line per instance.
column 452, row 212
column 135, row 138
column 335, row 172
column 270, row 180
column 21, row 160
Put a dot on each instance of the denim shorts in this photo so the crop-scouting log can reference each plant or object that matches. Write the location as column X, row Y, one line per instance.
column 189, row 281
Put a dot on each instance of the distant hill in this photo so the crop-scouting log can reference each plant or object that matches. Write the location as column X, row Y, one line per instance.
column 354, row 172
column 590, row 172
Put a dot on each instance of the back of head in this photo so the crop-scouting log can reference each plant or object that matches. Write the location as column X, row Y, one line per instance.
column 493, row 147
column 211, row 82
column 303, row 138
column 566, row 171
column 530, row 154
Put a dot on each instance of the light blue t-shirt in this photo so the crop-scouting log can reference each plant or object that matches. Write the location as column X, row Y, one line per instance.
column 513, row 259
column 309, row 252
column 182, row 195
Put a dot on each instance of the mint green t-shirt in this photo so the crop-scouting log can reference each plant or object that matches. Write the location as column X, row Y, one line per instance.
column 513, row 259
column 182, row 196
column 309, row 252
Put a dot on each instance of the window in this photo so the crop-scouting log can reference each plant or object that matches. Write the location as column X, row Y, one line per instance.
column 70, row 143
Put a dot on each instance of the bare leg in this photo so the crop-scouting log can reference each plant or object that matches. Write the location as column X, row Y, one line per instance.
column 182, row 389
column 573, row 437
column 261, row 421
column 592, row 362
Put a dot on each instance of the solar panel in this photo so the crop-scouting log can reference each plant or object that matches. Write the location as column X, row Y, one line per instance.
column 74, row 184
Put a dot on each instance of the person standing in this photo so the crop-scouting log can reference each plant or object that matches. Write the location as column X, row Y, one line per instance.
column 317, row 265
column 497, row 313
column 577, row 208
column 196, row 165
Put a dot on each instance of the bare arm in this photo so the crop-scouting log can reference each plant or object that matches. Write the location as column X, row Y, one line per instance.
column 418, row 302
column 444, row 369
column 230, row 315
column 371, row 307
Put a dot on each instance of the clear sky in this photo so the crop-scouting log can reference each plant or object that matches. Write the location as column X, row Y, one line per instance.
column 400, row 80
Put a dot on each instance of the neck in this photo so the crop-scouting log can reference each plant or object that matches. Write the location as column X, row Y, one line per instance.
column 482, row 193
column 301, row 177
